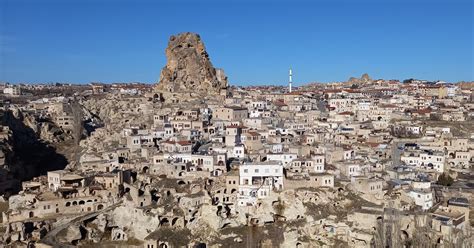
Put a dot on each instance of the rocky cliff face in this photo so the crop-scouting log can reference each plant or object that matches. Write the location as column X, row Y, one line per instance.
column 30, row 149
column 188, row 67
column 364, row 79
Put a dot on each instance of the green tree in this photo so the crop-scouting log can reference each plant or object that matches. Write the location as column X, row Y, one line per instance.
column 445, row 180
column 407, row 81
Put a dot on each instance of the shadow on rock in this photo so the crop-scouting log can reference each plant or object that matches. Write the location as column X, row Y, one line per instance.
column 31, row 156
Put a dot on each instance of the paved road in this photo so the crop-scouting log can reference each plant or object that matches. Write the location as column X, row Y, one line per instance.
column 50, row 238
column 396, row 153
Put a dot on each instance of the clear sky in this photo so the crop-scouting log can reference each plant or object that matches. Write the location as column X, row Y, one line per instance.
column 255, row 42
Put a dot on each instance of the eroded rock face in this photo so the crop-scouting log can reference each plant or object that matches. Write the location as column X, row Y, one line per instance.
column 188, row 67
column 30, row 149
column 364, row 79
column 71, row 234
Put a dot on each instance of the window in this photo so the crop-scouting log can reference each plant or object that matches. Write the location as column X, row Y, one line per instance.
column 256, row 170
column 246, row 170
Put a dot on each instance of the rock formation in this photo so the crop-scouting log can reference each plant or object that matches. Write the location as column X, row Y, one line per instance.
column 188, row 67
column 30, row 146
column 364, row 79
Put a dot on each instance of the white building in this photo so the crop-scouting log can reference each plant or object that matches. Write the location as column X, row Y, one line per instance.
column 238, row 151
column 319, row 161
column 258, row 180
column 258, row 104
column 12, row 91
column 341, row 104
column 451, row 90
column 284, row 158
column 432, row 160
column 414, row 129
column 429, row 160
column 276, row 148
column 54, row 179
column 422, row 198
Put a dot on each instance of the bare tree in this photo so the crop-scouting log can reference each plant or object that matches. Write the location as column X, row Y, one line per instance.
column 459, row 238
column 422, row 232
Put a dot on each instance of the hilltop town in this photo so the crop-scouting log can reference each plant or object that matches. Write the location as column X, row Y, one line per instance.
column 195, row 162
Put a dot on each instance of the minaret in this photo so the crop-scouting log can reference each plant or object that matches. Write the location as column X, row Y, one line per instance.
column 290, row 81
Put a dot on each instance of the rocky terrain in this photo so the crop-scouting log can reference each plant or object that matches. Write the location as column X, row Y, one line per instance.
column 285, row 218
column 115, row 112
column 34, row 144
column 364, row 79
column 188, row 166
column 31, row 147
column 189, row 68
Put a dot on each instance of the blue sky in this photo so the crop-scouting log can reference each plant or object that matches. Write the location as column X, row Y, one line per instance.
column 255, row 42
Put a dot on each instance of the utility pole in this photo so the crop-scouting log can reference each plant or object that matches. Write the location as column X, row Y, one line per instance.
column 290, row 81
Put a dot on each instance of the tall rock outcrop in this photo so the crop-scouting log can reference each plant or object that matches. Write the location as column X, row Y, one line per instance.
column 188, row 67
column 364, row 79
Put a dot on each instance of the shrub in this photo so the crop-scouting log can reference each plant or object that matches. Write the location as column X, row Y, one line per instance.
column 445, row 180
